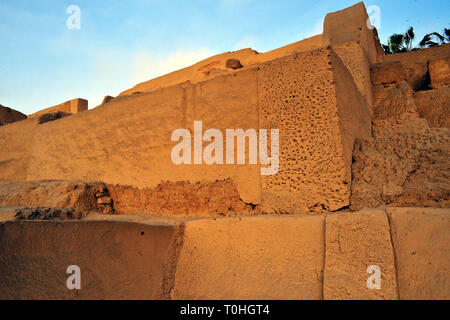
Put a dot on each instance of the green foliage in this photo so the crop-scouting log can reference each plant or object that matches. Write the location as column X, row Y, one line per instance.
column 398, row 43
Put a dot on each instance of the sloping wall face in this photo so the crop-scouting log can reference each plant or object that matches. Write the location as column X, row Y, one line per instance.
column 15, row 145
column 355, row 59
column 310, row 97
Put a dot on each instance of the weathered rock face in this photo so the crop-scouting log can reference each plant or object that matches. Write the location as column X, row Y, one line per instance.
column 410, row 169
column 58, row 194
column 8, row 115
column 219, row 198
column 48, row 213
column 52, row 116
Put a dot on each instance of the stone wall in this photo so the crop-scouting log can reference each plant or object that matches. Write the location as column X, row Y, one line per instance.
column 302, row 257
column 310, row 97
column 416, row 64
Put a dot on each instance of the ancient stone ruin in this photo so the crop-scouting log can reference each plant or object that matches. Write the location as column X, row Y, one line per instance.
column 362, row 181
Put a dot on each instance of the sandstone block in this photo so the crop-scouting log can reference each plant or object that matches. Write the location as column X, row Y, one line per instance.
column 355, row 59
column 351, row 24
column 117, row 260
column 71, row 107
column 439, row 72
column 319, row 112
column 394, row 102
column 422, row 248
column 107, row 99
column 388, row 72
column 434, row 105
column 354, row 242
column 238, row 258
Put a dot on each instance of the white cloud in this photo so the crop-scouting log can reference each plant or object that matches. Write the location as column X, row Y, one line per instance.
column 117, row 70
column 147, row 66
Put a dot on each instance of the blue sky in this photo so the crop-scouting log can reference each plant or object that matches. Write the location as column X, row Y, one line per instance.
column 122, row 43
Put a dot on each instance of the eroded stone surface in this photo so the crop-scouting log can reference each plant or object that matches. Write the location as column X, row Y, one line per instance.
column 55, row 193
column 410, row 169
column 48, row 213
column 355, row 241
column 219, row 198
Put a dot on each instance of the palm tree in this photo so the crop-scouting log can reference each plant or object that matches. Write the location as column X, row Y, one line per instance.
column 398, row 43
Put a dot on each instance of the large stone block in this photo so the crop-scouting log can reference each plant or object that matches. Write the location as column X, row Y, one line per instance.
column 388, row 72
column 421, row 241
column 434, row 105
column 354, row 242
column 117, row 259
column 394, row 102
column 439, row 72
column 239, row 258
column 351, row 24
column 313, row 101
